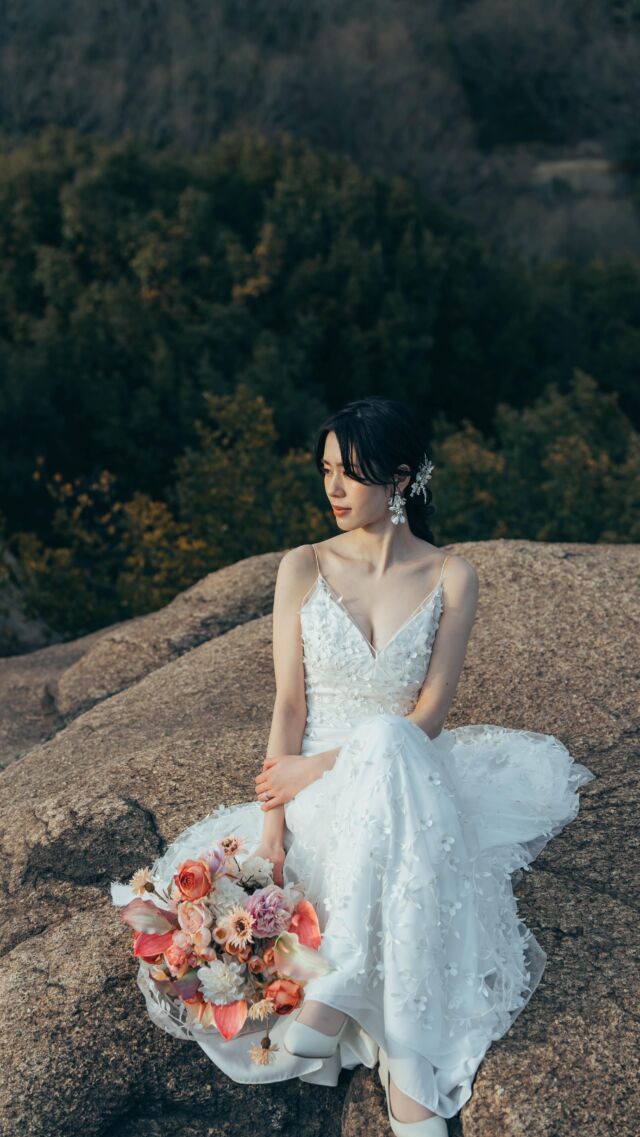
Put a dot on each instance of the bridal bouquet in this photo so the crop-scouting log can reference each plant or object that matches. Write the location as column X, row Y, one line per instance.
column 224, row 939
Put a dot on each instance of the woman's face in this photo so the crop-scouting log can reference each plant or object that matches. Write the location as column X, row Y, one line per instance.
column 360, row 504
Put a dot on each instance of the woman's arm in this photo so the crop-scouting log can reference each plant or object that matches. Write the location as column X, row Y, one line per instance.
column 294, row 578
column 460, row 598
column 287, row 728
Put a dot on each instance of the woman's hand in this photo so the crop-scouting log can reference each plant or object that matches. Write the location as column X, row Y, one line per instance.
column 274, row 853
column 283, row 777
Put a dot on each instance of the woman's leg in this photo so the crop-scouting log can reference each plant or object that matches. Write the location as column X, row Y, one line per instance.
column 320, row 1017
column 374, row 783
column 405, row 1108
column 328, row 1020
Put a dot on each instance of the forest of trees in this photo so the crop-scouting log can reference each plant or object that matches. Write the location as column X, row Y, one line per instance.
column 174, row 325
column 462, row 95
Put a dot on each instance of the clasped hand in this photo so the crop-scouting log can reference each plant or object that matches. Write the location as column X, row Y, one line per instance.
column 282, row 777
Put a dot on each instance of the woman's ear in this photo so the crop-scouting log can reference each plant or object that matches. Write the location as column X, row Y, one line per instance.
column 403, row 479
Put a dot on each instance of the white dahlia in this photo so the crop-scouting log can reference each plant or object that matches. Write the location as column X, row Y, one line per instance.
column 222, row 982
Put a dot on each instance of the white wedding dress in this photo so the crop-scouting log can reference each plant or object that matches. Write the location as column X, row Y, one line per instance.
column 406, row 848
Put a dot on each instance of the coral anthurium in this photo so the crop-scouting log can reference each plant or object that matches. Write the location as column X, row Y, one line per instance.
column 145, row 916
column 148, row 946
column 297, row 961
column 304, row 923
column 230, row 1017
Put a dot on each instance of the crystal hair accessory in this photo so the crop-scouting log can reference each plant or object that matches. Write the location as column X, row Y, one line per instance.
column 396, row 501
column 425, row 470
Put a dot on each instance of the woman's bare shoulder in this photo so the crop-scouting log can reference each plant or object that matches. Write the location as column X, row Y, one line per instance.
column 459, row 574
column 297, row 559
column 296, row 571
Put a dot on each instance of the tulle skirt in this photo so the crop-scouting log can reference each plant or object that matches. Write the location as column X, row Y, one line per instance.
column 408, row 847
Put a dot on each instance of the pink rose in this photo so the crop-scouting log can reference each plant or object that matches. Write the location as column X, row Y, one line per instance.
column 201, row 939
column 182, row 940
column 193, row 916
column 177, row 960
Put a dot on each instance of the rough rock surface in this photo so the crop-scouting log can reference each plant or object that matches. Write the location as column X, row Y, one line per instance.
column 143, row 741
column 42, row 692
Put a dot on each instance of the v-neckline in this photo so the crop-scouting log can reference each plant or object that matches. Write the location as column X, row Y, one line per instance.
column 376, row 653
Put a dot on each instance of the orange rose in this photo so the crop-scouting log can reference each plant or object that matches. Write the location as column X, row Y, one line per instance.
column 193, row 880
column 286, row 995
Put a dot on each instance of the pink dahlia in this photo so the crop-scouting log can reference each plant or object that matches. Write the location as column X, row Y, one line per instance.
column 271, row 910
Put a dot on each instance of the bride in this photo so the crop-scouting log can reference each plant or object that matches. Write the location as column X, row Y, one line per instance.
column 405, row 835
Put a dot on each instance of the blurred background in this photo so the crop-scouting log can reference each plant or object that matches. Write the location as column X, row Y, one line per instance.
column 220, row 221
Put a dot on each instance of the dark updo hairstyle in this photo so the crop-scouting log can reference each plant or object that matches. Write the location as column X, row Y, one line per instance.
column 383, row 435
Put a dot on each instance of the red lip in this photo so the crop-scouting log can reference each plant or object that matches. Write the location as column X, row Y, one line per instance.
column 337, row 509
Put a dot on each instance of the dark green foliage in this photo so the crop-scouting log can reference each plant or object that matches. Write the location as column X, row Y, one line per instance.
column 138, row 284
column 131, row 281
column 566, row 468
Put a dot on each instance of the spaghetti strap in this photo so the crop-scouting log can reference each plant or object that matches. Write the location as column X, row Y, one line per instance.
column 309, row 592
column 442, row 569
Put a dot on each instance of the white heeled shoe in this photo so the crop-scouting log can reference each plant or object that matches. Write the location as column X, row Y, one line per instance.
column 428, row 1127
column 304, row 1041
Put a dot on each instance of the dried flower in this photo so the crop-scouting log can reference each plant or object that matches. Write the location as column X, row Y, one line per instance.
column 262, row 1009
column 142, row 881
column 261, row 1054
column 238, row 924
column 233, row 845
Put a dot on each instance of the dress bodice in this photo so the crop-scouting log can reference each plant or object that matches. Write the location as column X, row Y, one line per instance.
column 346, row 679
